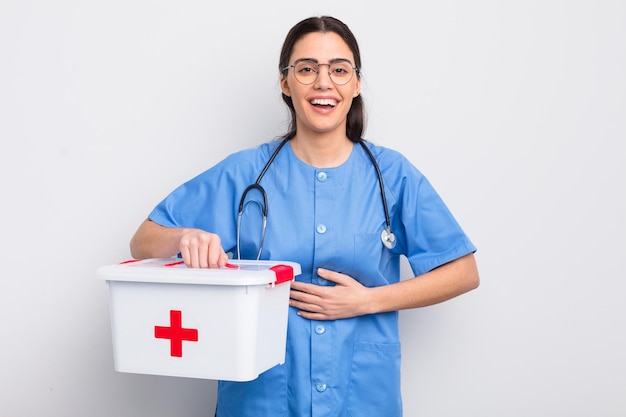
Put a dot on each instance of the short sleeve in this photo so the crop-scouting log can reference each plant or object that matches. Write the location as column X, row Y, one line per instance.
column 434, row 237
column 426, row 230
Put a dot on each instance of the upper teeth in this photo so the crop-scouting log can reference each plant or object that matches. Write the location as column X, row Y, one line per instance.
column 324, row 102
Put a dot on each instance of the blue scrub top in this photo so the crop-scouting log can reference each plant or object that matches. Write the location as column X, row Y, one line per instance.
column 330, row 218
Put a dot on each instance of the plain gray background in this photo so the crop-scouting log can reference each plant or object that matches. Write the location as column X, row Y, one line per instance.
column 514, row 110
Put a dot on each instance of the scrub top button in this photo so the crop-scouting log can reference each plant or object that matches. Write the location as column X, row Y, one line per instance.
column 320, row 387
column 322, row 176
column 321, row 228
column 319, row 329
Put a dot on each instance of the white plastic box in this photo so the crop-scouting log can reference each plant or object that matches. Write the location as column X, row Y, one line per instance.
column 228, row 323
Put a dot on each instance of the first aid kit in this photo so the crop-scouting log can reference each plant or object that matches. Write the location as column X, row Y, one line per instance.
column 226, row 323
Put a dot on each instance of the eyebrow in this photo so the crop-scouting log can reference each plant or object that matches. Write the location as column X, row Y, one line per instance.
column 332, row 61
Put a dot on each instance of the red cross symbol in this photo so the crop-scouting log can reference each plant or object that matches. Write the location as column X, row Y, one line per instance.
column 176, row 333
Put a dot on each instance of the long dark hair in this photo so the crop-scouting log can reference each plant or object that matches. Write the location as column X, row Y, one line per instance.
column 356, row 115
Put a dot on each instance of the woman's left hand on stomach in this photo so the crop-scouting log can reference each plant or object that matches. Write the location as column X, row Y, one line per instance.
column 347, row 298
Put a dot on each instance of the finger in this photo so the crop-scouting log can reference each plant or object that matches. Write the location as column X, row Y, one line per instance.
column 189, row 253
column 311, row 299
column 223, row 260
column 306, row 307
column 306, row 288
column 194, row 256
column 301, row 296
column 184, row 252
column 313, row 316
column 203, row 255
column 215, row 256
column 333, row 276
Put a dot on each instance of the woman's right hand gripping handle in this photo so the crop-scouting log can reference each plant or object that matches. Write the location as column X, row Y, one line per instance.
column 198, row 248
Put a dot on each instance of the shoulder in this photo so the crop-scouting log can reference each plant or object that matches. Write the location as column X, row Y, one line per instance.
column 241, row 165
column 250, row 155
column 392, row 162
column 250, row 159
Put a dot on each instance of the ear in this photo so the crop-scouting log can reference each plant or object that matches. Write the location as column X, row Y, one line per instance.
column 357, row 89
column 284, row 86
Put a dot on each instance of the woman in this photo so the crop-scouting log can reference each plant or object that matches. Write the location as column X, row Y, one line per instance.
column 326, row 213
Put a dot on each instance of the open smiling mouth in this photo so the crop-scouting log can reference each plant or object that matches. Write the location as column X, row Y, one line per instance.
column 326, row 102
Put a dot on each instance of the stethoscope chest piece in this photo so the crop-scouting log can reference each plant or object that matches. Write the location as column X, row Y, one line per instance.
column 388, row 238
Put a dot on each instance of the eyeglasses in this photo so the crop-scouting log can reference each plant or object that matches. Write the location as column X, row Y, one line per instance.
column 307, row 71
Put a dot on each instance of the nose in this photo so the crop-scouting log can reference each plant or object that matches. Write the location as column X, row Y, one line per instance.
column 323, row 80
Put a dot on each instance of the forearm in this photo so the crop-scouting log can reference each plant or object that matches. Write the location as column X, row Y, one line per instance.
column 155, row 241
column 436, row 286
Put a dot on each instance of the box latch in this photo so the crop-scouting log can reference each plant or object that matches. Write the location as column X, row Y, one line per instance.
column 283, row 273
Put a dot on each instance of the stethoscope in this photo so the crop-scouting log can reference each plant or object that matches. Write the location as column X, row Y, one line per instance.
column 386, row 236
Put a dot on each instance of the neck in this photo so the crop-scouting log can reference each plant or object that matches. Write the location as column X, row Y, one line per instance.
column 322, row 151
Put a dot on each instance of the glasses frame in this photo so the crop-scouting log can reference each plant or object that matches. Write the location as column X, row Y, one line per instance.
column 312, row 61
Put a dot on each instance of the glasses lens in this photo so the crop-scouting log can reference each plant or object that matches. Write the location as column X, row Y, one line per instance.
column 306, row 72
column 341, row 72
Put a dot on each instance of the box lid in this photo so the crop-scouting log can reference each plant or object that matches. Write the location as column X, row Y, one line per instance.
column 174, row 271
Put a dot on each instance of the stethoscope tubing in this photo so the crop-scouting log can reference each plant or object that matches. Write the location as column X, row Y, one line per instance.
column 387, row 236
column 257, row 185
column 380, row 184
